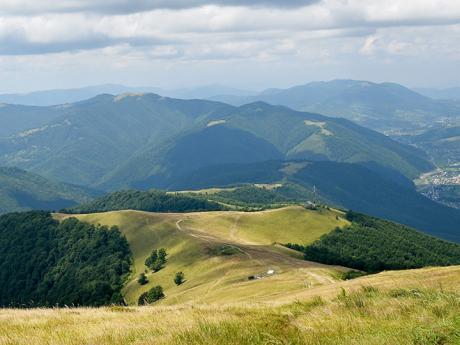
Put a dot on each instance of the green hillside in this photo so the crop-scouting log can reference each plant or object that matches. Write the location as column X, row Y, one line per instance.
column 21, row 191
column 143, row 140
column 181, row 155
column 310, row 136
column 257, row 132
column 117, row 126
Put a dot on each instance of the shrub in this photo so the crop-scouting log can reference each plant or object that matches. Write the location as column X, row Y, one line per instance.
column 142, row 279
column 179, row 278
column 151, row 296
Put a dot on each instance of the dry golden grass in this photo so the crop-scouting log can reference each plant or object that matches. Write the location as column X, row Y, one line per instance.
column 423, row 307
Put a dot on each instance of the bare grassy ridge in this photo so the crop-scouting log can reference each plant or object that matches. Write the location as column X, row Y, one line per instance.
column 406, row 307
column 192, row 241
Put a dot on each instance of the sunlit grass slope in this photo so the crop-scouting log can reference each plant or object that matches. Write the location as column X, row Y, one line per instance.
column 402, row 307
column 194, row 241
column 291, row 224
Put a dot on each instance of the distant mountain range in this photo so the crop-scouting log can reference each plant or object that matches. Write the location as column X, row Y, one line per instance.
column 380, row 106
column 146, row 140
column 383, row 107
column 64, row 96
column 21, row 191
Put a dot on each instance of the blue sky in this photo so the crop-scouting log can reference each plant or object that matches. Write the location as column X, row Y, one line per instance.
column 248, row 44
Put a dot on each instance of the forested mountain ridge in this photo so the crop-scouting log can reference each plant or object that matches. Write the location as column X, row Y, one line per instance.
column 93, row 137
column 94, row 142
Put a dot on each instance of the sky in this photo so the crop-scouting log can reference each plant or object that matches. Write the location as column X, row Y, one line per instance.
column 247, row 44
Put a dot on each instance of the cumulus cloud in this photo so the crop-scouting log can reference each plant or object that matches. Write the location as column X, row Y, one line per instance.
column 136, row 34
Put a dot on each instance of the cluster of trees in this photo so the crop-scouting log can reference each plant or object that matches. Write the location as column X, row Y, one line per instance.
column 151, row 201
column 156, row 260
column 46, row 263
column 251, row 197
column 373, row 245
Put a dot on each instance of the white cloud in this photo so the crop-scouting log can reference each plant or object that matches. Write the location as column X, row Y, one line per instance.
column 123, row 36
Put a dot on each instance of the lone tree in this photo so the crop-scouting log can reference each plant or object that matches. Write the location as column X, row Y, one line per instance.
column 151, row 296
column 142, row 280
column 179, row 278
column 156, row 260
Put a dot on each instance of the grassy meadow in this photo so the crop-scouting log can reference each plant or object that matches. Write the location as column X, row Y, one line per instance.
column 400, row 307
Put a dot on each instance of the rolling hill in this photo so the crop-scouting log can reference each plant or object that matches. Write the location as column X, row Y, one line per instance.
column 385, row 106
column 230, row 256
column 196, row 244
column 144, row 139
column 21, row 191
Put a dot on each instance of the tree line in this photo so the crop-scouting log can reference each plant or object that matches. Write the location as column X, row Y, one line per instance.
column 150, row 201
